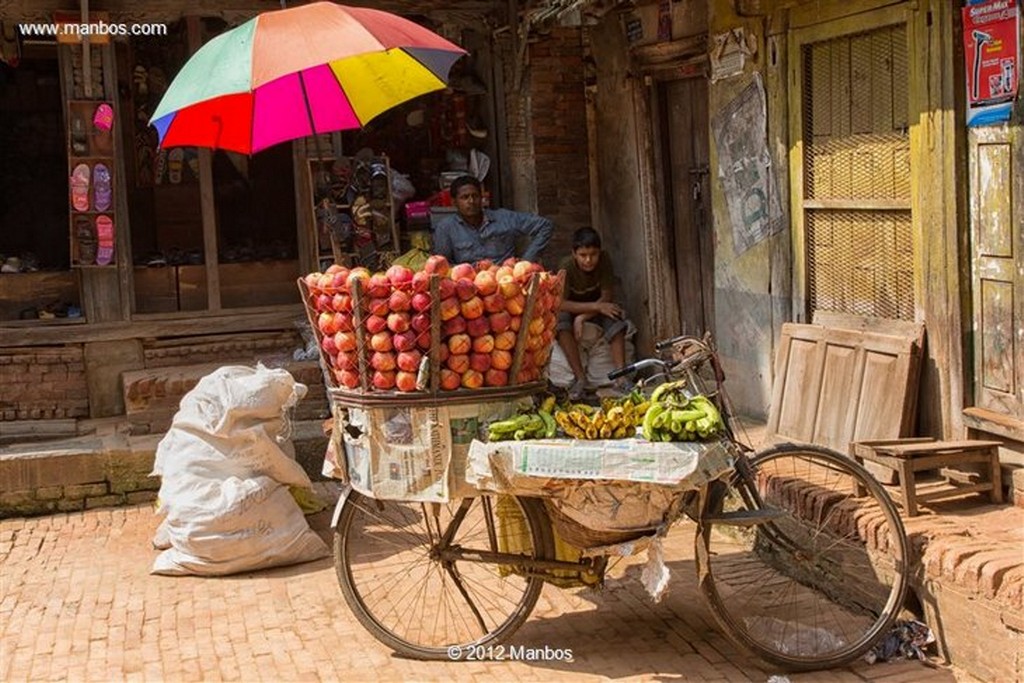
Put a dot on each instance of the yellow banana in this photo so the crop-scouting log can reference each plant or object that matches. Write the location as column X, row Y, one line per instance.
column 564, row 421
column 581, row 420
column 582, row 408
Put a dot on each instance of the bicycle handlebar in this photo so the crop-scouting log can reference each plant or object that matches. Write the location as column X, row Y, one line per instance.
column 639, row 365
column 666, row 343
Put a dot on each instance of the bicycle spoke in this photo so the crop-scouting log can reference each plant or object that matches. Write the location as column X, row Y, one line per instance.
column 401, row 571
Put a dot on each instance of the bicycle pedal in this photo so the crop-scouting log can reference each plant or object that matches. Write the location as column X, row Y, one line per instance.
column 746, row 517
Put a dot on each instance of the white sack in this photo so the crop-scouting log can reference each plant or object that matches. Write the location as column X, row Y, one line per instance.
column 595, row 354
column 225, row 467
column 234, row 526
column 559, row 372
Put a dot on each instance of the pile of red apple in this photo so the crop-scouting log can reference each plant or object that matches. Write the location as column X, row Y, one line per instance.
column 481, row 311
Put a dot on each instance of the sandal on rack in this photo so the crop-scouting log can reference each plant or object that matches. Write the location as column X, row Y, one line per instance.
column 85, row 237
column 101, row 192
column 104, row 240
column 103, row 122
column 80, row 187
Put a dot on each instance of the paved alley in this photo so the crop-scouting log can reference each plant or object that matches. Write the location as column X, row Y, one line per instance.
column 77, row 602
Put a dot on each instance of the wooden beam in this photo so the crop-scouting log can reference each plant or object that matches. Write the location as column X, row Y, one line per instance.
column 671, row 51
column 32, row 333
column 207, row 200
column 86, row 55
column 824, row 11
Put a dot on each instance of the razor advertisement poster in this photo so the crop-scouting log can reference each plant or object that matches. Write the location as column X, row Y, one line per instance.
column 992, row 55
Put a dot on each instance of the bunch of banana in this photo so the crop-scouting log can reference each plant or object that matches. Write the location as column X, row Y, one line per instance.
column 675, row 416
column 634, row 403
column 581, row 421
column 534, row 425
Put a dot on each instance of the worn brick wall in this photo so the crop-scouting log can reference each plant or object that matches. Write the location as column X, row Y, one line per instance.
column 42, row 383
column 559, row 126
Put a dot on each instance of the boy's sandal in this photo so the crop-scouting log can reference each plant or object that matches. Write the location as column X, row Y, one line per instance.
column 101, row 192
column 104, row 231
column 80, row 188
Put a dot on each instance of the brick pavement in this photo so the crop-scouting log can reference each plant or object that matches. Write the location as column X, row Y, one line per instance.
column 77, row 603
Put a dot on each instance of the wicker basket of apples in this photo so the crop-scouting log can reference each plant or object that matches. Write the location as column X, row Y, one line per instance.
column 442, row 333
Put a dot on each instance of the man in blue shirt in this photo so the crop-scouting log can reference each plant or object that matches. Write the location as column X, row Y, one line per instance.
column 475, row 233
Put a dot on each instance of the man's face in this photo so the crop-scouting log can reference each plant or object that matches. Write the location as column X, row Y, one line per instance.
column 587, row 258
column 467, row 201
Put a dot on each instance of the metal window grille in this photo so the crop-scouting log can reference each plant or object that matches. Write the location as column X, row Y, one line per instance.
column 856, row 202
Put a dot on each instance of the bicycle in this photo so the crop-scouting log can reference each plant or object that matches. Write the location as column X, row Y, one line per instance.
column 795, row 566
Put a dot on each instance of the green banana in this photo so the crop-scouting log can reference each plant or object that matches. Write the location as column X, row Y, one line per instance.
column 549, row 423
column 652, row 414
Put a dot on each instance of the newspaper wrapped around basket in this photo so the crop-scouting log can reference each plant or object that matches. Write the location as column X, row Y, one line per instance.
column 414, row 449
column 401, row 334
column 600, row 494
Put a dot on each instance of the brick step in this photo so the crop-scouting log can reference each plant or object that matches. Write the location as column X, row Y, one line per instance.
column 152, row 396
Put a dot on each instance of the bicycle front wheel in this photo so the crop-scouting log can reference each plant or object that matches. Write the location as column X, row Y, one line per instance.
column 798, row 565
column 400, row 570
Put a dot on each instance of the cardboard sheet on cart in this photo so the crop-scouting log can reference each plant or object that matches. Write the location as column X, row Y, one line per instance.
column 533, row 466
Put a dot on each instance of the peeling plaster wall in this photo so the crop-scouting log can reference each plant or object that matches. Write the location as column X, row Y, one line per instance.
column 752, row 290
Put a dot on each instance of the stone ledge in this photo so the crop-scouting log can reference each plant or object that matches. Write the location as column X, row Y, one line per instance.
column 105, row 471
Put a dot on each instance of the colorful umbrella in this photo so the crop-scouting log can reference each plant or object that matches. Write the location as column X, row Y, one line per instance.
column 291, row 73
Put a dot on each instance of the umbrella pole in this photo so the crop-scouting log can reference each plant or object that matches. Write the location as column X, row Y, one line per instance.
column 309, row 113
column 335, row 246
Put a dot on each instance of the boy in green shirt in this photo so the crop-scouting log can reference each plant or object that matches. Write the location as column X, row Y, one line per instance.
column 589, row 285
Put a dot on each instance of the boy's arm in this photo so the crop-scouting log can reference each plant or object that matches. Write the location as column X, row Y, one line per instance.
column 603, row 306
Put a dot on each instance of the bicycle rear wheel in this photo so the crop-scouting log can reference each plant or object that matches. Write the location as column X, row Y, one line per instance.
column 392, row 574
column 798, row 568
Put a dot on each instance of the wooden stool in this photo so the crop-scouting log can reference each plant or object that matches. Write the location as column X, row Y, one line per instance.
column 909, row 456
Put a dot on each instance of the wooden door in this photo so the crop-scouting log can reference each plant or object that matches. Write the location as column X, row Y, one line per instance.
column 685, row 133
column 997, row 243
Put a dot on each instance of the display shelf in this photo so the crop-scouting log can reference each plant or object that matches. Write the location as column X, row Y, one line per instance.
column 90, row 145
column 353, row 210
